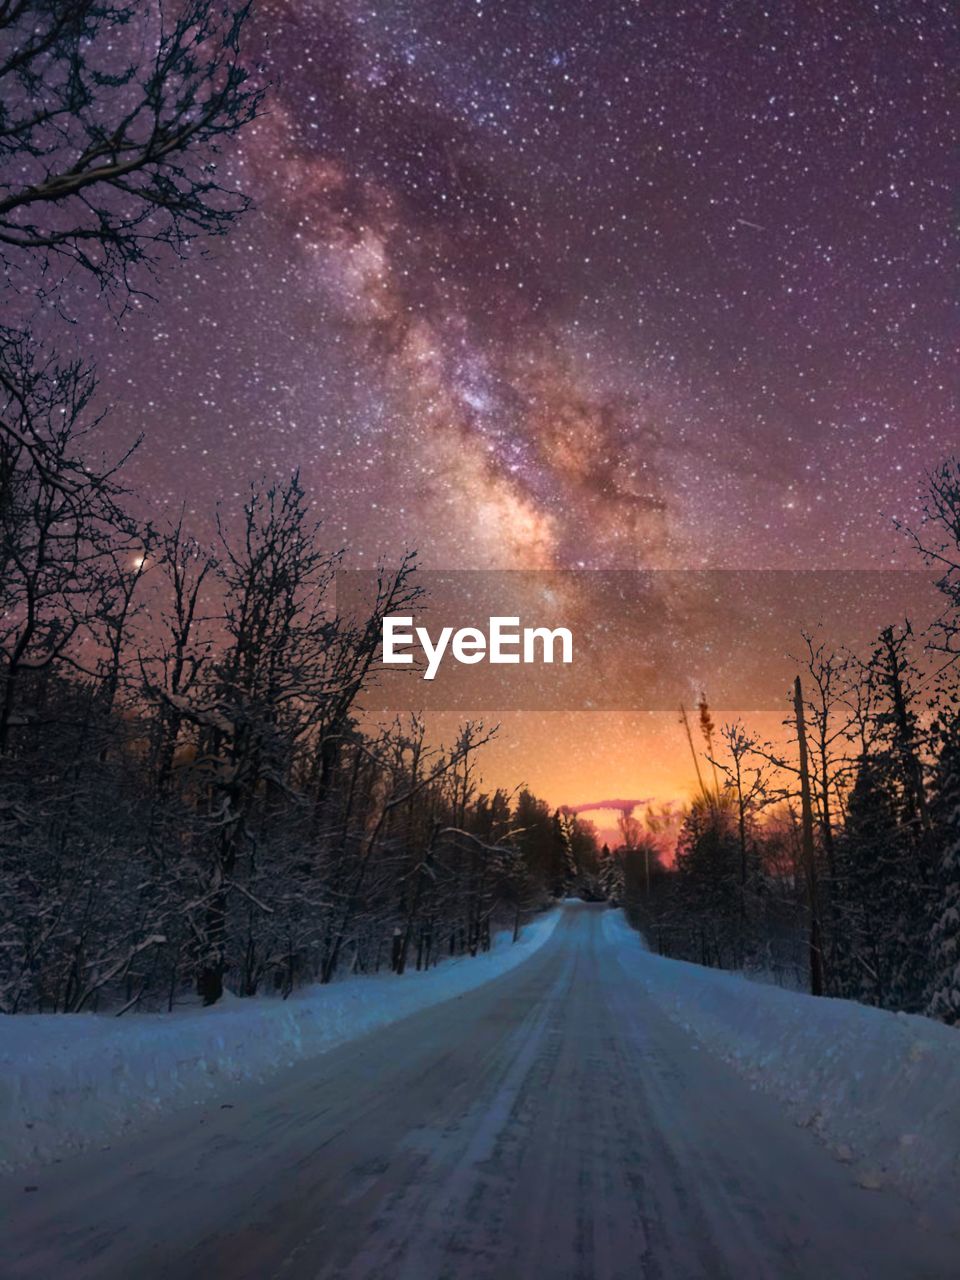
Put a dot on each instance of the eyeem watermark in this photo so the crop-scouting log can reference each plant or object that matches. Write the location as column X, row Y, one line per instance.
column 615, row 640
column 504, row 642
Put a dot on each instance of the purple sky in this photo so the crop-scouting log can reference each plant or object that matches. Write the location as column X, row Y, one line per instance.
column 553, row 284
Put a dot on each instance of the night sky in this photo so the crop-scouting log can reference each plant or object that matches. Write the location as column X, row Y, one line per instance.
column 574, row 284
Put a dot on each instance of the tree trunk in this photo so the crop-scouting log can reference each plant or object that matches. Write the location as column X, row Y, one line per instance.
column 807, row 846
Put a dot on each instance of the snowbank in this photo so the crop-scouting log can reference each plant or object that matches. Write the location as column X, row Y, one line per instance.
column 881, row 1089
column 67, row 1081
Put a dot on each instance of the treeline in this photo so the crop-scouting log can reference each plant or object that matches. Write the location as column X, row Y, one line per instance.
column 190, row 796
column 189, row 799
column 833, row 862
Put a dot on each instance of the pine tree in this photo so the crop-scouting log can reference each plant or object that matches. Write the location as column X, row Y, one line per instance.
column 534, row 829
column 611, row 875
column 886, row 868
column 708, row 883
column 944, row 999
column 867, row 851
column 881, row 898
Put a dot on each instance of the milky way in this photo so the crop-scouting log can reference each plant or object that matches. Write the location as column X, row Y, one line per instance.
column 560, row 284
column 573, row 284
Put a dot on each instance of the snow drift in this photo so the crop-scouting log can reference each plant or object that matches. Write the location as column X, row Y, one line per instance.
column 70, row 1080
column 880, row 1089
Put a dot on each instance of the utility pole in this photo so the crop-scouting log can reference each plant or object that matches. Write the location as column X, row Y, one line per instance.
column 809, row 854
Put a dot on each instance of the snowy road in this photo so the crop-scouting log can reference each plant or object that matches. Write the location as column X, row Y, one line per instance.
column 552, row 1124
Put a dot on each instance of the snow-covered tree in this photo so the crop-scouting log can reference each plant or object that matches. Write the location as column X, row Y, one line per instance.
column 870, row 855
column 945, row 935
column 611, row 874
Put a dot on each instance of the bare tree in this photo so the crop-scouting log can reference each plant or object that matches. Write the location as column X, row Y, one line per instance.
column 180, row 647
column 275, row 578
column 112, row 118
column 751, row 787
column 401, row 790
column 59, row 524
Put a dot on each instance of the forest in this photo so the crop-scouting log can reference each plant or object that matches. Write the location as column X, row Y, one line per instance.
column 191, row 799
column 188, row 796
column 831, row 862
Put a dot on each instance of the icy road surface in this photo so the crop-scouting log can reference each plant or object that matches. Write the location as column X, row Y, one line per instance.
column 551, row 1124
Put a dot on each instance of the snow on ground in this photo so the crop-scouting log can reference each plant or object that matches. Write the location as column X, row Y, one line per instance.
column 880, row 1089
column 68, row 1081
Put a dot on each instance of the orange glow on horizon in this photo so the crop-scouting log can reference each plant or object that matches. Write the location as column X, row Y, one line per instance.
column 577, row 757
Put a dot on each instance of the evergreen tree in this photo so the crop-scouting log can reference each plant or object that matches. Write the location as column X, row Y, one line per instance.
column 880, row 955
column 611, row 874
column 944, row 999
column 708, row 882
column 537, row 840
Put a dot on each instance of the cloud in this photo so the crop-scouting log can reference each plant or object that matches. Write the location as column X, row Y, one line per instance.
column 626, row 807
